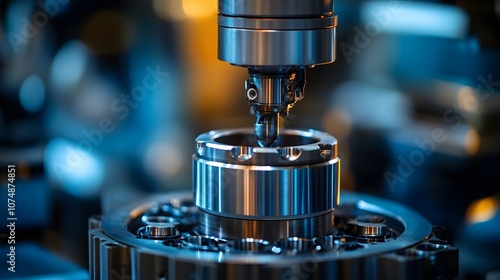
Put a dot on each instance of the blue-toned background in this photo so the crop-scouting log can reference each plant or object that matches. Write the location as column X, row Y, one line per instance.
column 100, row 103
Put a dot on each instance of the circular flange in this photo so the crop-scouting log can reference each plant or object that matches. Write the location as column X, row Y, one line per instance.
column 414, row 229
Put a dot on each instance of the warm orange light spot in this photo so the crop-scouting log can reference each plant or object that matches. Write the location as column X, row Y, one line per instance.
column 198, row 8
column 170, row 10
column 467, row 100
column 472, row 142
column 481, row 210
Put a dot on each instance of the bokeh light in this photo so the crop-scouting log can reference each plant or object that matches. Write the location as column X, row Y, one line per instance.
column 32, row 94
column 75, row 170
column 472, row 142
column 482, row 210
column 199, row 8
column 68, row 66
column 170, row 10
column 416, row 18
column 163, row 160
column 467, row 100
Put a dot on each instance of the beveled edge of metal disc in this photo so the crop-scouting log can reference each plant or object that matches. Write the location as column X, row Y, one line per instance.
column 319, row 147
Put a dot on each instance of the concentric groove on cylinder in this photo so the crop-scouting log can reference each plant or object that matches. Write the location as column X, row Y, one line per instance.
column 275, row 8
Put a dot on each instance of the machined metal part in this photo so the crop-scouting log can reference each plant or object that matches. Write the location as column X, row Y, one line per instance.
column 265, row 192
column 264, row 89
column 248, row 47
column 369, row 226
column 286, row 229
column 266, row 202
column 267, row 127
column 408, row 250
column 277, row 41
column 274, row 229
column 276, row 33
column 294, row 147
column 158, row 231
column 278, row 23
column 271, row 96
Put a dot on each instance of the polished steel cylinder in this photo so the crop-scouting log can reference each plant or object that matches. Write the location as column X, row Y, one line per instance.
column 276, row 33
column 290, row 187
column 289, row 47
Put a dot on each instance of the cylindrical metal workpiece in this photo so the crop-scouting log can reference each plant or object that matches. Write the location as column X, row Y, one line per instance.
column 294, row 182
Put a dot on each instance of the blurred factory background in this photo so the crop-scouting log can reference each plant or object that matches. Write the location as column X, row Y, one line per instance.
column 100, row 103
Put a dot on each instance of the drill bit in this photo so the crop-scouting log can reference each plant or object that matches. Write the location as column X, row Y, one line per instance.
column 267, row 127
